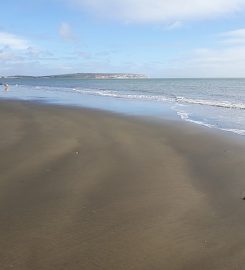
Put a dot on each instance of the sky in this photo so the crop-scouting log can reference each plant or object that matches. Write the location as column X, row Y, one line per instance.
column 158, row 38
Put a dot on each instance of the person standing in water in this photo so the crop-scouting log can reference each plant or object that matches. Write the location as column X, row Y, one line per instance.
column 6, row 87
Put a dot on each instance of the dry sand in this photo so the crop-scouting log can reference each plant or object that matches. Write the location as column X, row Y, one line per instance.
column 83, row 189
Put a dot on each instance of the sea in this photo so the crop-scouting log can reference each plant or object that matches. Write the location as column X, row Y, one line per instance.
column 214, row 103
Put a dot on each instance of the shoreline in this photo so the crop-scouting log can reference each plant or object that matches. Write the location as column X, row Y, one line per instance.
column 168, row 117
column 87, row 189
column 136, row 104
column 166, row 113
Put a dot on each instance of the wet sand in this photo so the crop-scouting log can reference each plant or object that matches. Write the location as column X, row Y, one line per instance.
column 83, row 189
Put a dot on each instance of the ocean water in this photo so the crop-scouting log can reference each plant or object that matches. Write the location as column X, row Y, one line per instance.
column 215, row 103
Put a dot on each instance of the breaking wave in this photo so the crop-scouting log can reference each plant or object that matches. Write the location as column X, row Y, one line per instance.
column 214, row 103
column 162, row 98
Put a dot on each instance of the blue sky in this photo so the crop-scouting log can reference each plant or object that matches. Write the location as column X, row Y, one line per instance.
column 159, row 38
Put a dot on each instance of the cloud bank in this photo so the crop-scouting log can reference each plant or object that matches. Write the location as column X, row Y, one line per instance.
column 235, row 37
column 12, row 41
column 143, row 11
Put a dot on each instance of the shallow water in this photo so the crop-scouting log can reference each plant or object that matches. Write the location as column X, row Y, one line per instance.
column 216, row 103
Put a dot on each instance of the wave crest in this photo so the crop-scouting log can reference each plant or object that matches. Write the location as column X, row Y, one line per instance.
column 214, row 103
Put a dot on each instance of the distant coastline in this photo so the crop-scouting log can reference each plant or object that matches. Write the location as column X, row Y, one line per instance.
column 84, row 76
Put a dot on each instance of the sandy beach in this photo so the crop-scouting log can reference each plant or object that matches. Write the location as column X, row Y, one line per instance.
column 84, row 189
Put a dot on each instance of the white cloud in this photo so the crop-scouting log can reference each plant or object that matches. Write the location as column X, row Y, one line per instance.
column 233, row 57
column 6, row 56
column 161, row 10
column 66, row 32
column 238, row 33
column 235, row 37
column 225, row 60
column 12, row 41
